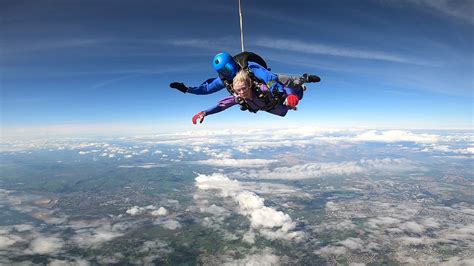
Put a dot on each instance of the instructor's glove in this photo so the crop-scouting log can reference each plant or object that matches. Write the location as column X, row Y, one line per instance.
column 291, row 101
column 199, row 116
column 179, row 86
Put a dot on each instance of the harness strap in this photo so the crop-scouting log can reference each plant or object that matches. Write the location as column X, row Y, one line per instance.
column 244, row 105
column 228, row 86
column 276, row 96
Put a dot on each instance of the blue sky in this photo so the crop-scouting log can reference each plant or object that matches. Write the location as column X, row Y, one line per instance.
column 402, row 63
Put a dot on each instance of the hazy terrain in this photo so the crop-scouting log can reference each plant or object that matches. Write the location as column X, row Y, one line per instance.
column 307, row 196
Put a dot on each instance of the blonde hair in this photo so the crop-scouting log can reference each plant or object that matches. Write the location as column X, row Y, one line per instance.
column 243, row 76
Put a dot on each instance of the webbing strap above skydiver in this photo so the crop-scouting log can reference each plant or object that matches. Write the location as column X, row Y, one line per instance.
column 241, row 28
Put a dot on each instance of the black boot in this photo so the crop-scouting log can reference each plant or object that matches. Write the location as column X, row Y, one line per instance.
column 307, row 78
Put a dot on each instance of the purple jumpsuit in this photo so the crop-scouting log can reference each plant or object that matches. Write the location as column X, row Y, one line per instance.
column 255, row 103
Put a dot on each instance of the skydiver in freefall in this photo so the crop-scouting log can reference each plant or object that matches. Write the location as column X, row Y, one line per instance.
column 273, row 93
column 246, row 93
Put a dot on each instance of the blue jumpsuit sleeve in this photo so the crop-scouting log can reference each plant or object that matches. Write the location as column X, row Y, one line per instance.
column 282, row 88
column 262, row 73
column 288, row 90
column 207, row 87
column 269, row 78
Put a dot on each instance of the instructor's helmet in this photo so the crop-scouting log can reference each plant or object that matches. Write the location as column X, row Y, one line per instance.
column 225, row 65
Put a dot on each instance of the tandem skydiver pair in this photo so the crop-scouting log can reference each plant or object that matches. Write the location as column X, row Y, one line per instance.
column 251, row 84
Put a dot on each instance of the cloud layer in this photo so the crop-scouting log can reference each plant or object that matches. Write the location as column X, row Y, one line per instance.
column 268, row 221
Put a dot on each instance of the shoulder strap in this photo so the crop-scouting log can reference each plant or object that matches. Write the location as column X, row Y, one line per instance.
column 227, row 84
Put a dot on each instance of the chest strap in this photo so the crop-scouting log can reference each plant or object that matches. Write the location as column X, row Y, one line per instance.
column 276, row 98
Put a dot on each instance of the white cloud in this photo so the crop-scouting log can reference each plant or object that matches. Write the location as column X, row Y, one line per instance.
column 331, row 206
column 249, row 201
column 240, row 163
column 150, row 246
column 7, row 241
column 280, row 234
column 390, row 165
column 245, row 140
column 249, row 237
column 218, row 181
column 317, row 48
column 458, row 233
column 315, row 170
column 430, row 222
column 309, row 170
column 149, row 252
column 46, row 245
column 251, row 205
column 331, row 250
column 456, row 9
column 150, row 209
column 382, row 221
column 95, row 236
column 444, row 148
column 76, row 262
column 169, row 224
column 411, row 241
column 266, row 217
column 458, row 261
column 341, row 248
column 396, row 136
column 135, row 210
column 203, row 43
column 412, row 227
column 352, row 243
column 160, row 212
column 23, row 227
column 144, row 165
column 214, row 209
column 264, row 258
column 338, row 225
column 277, row 190
column 373, row 246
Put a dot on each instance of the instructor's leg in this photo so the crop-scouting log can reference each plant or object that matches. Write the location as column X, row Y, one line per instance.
column 290, row 81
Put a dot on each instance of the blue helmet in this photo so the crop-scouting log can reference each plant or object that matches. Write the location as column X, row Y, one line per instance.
column 225, row 65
